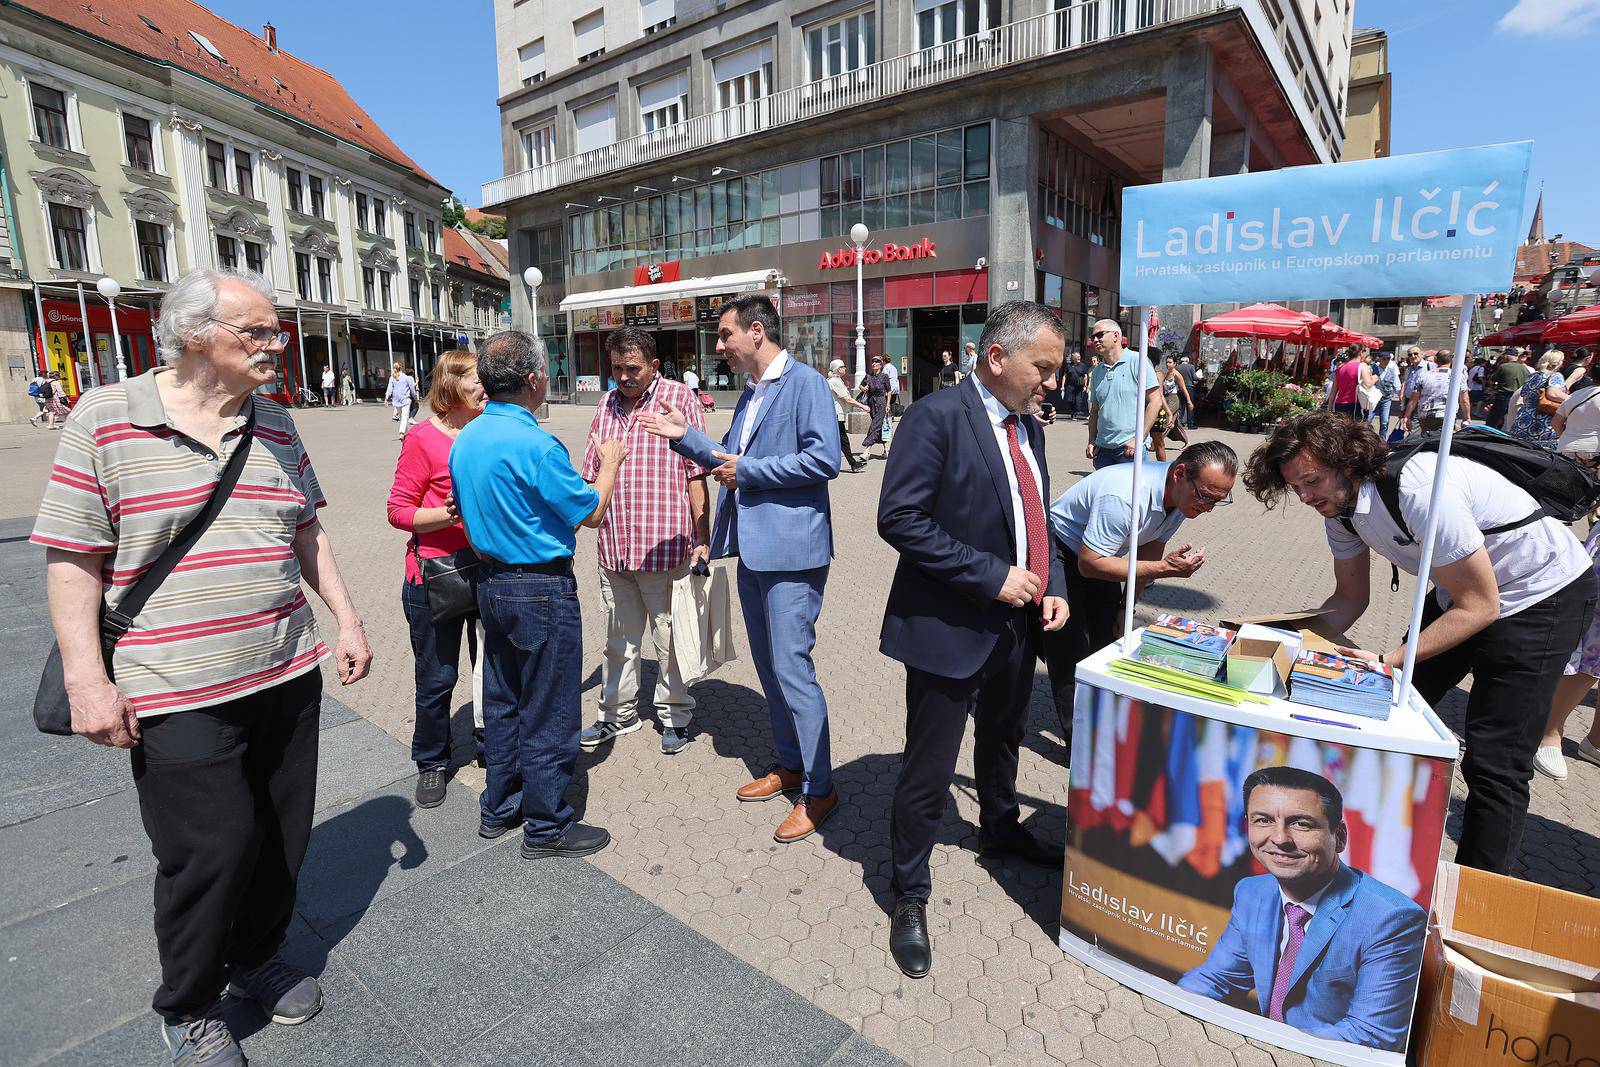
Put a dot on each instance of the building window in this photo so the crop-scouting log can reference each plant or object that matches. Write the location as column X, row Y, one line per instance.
column 433, row 293
column 255, row 257
column 368, row 286
column 596, row 125
column 50, row 116
column 943, row 21
column 302, row 275
column 317, row 203
column 361, row 212
column 152, row 240
column 227, row 253
column 383, row 289
column 657, row 15
column 539, row 146
column 744, row 76
column 530, row 62
column 1076, row 193
column 138, row 142
column 216, row 165
column 69, row 237
column 837, row 47
column 414, row 289
column 380, row 218
column 1386, row 313
column 589, row 36
column 295, row 182
column 244, row 174
column 433, row 236
column 325, row 279
column 663, row 103
column 413, row 239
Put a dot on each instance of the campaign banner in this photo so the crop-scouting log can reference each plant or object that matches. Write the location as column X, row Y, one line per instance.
column 1435, row 222
column 1188, row 840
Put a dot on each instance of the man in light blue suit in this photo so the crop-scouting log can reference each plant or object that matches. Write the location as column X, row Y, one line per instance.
column 1328, row 949
column 774, row 466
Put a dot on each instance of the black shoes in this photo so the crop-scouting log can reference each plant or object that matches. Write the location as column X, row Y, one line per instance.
column 1020, row 843
column 430, row 787
column 491, row 830
column 908, row 937
column 579, row 840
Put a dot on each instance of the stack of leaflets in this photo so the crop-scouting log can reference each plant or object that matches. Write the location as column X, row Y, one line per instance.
column 1339, row 683
column 1185, row 645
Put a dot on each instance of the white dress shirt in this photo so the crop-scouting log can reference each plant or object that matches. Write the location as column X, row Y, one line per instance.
column 752, row 412
column 1309, row 905
column 997, row 417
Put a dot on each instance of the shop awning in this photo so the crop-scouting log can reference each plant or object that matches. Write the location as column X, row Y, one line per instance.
column 1579, row 328
column 748, row 281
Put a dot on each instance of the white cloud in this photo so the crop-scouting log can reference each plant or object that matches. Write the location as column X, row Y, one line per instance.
column 1551, row 17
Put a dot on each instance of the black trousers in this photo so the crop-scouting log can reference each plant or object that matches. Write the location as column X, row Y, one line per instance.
column 1094, row 620
column 1515, row 665
column 844, row 444
column 936, row 718
column 226, row 793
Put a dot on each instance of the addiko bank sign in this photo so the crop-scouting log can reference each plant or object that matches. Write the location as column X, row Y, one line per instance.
column 888, row 253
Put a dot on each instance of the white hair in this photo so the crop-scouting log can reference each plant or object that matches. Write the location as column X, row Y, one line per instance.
column 191, row 304
column 1108, row 324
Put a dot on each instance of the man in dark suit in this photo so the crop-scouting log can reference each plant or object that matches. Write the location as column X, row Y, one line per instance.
column 975, row 582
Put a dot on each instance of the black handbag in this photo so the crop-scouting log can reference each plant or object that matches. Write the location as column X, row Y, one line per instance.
column 52, row 712
column 450, row 583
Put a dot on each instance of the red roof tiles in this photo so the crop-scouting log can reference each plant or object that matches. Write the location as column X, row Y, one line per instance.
column 459, row 251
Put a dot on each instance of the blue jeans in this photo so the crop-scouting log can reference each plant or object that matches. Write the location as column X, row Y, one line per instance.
column 436, row 649
column 533, row 664
column 1380, row 415
column 780, row 619
column 1110, row 456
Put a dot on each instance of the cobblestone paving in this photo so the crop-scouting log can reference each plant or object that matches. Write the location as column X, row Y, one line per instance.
column 812, row 915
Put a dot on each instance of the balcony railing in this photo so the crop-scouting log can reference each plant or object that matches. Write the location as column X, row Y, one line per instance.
column 1080, row 23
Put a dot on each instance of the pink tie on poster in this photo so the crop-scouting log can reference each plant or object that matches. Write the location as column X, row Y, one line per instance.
column 1296, row 917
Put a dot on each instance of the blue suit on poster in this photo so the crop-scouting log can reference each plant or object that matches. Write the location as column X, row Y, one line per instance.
column 1356, row 973
column 779, row 524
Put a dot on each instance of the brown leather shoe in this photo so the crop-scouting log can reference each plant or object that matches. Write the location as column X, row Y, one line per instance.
column 808, row 814
column 772, row 784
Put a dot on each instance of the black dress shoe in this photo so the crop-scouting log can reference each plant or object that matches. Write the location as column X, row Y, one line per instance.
column 908, row 937
column 1020, row 843
column 579, row 840
column 490, row 831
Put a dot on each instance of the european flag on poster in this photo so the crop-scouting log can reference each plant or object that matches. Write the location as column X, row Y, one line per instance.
column 1416, row 225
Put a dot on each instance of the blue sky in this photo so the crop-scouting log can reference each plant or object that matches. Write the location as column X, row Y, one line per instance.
column 1466, row 72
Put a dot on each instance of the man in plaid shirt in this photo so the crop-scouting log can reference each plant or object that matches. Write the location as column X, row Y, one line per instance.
column 657, row 527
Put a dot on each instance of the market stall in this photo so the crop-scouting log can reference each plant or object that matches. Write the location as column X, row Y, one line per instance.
column 1581, row 327
column 1169, row 889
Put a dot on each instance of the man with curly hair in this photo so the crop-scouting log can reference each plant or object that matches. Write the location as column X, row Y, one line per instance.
column 1513, row 593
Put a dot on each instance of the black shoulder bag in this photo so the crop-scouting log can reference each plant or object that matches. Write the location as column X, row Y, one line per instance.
column 52, row 713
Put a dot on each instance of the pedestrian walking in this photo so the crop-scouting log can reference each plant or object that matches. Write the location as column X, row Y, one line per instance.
column 55, row 408
column 892, row 408
column 1072, row 381
column 1577, row 678
column 657, row 527
column 401, row 395
column 841, row 400
column 347, row 390
column 1431, row 403
column 975, row 583
column 876, row 387
column 1191, row 376
column 1175, row 393
column 39, row 393
column 521, row 503
column 949, row 373
column 1349, row 378
column 1119, row 418
column 969, row 357
column 1538, row 400
column 422, row 503
column 1388, row 385
column 1506, row 383
column 217, row 689
column 327, row 386
column 1508, row 606
column 774, row 465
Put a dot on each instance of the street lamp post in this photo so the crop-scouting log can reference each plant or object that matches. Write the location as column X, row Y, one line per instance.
column 859, row 234
column 533, row 277
column 109, row 288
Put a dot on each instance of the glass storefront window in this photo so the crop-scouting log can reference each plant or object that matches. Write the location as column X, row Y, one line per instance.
column 830, row 222
column 769, row 193
column 736, row 200
column 850, row 176
column 922, row 211
column 752, row 196
column 897, row 167
column 976, row 152
column 895, row 211
column 657, row 221
column 950, row 156
column 872, row 161
column 923, row 171
column 702, row 207
column 872, row 215
column 948, row 203
column 977, row 199
column 719, row 205
column 830, row 180
column 770, row 232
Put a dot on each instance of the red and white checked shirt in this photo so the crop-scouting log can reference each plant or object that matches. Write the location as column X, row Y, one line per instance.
column 648, row 526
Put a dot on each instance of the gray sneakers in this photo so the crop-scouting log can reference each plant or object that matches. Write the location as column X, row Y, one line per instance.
column 287, row 994
column 202, row 1042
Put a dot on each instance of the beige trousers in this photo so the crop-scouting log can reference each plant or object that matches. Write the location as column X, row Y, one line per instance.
column 636, row 601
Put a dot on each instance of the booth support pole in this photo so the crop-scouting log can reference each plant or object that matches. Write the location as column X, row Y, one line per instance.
column 1447, row 433
column 1138, row 468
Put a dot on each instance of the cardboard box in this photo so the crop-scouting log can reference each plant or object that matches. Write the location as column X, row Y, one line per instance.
column 1511, row 975
column 1315, row 630
column 1258, row 665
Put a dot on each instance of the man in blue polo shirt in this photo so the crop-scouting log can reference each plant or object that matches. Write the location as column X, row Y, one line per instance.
column 1118, row 421
column 1090, row 523
column 521, row 503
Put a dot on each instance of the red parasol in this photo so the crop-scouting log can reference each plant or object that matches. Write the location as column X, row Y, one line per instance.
column 1271, row 321
column 1521, row 333
column 1579, row 328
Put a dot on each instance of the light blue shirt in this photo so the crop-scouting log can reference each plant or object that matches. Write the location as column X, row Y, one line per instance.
column 519, row 497
column 1114, row 389
column 1094, row 512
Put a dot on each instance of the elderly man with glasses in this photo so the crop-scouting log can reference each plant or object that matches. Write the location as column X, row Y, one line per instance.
column 215, row 686
column 1091, row 522
column 1119, row 420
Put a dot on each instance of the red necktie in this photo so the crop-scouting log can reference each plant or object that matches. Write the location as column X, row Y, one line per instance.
column 1032, row 511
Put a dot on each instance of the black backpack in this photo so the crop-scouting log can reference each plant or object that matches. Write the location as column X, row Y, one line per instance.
column 1561, row 488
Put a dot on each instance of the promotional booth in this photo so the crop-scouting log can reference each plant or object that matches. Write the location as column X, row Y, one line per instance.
column 1168, row 889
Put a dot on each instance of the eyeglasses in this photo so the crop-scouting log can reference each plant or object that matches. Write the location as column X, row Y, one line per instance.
column 1102, row 333
column 261, row 336
column 1206, row 498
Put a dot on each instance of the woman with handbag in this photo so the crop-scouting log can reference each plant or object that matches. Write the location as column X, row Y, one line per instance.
column 438, row 595
column 875, row 386
column 1539, row 399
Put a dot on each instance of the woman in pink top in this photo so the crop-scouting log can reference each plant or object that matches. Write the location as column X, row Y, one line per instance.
column 421, row 503
column 1355, row 372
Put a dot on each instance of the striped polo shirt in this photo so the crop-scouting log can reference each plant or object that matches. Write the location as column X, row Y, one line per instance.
column 231, row 619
